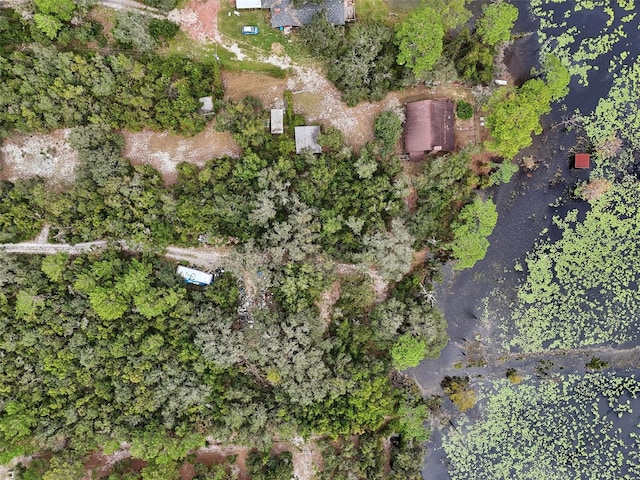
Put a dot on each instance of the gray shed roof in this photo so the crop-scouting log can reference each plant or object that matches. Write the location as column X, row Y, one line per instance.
column 277, row 120
column 206, row 104
column 307, row 138
column 429, row 126
column 284, row 14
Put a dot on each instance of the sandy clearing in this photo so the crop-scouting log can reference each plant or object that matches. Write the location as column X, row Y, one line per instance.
column 307, row 460
column 48, row 156
column 327, row 301
column 164, row 151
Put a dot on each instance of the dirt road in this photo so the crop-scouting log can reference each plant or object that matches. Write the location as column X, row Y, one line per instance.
column 207, row 258
column 204, row 257
column 132, row 6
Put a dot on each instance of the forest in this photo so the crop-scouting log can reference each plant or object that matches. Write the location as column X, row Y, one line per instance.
column 111, row 351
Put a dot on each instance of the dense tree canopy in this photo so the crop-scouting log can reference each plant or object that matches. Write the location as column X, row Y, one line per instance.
column 419, row 40
column 496, row 22
column 42, row 89
column 514, row 114
column 361, row 59
column 112, row 346
column 474, row 224
column 453, row 13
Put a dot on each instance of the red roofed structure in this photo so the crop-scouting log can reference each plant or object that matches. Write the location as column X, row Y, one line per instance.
column 582, row 160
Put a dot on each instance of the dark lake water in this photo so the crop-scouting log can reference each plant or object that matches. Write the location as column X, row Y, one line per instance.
column 524, row 208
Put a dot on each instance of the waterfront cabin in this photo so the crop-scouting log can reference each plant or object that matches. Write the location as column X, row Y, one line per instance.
column 429, row 128
column 284, row 14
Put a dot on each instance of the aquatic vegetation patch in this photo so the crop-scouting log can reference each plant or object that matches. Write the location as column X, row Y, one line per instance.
column 580, row 43
column 619, row 111
column 571, row 427
column 582, row 289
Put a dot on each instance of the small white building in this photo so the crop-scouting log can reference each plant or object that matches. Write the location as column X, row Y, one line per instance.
column 246, row 4
column 194, row 277
column 307, row 139
column 277, row 120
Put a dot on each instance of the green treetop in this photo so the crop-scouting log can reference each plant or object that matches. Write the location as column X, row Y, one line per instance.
column 497, row 20
column 419, row 39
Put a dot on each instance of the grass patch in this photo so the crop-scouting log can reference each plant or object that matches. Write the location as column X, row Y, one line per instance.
column 390, row 11
column 372, row 10
column 183, row 45
column 268, row 41
column 402, row 7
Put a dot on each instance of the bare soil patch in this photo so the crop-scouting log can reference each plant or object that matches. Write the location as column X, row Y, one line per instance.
column 307, row 460
column 379, row 283
column 419, row 257
column 98, row 465
column 187, row 471
column 327, row 300
column 106, row 17
column 216, row 453
column 467, row 132
column 199, row 19
column 238, row 85
column 480, row 163
column 164, row 151
column 48, row 156
column 210, row 457
column 411, row 200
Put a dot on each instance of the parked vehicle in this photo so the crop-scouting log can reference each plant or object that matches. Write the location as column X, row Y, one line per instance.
column 250, row 30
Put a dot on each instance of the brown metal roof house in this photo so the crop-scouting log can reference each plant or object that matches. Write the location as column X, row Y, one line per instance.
column 428, row 127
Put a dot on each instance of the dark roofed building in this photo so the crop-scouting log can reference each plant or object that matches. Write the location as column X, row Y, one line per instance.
column 429, row 127
column 284, row 14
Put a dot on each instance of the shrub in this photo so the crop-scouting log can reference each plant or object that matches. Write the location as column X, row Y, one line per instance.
column 597, row 364
column 464, row 110
column 408, row 351
column 162, row 30
column 471, row 229
column 457, row 388
column 165, row 5
column 513, row 376
column 388, row 129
